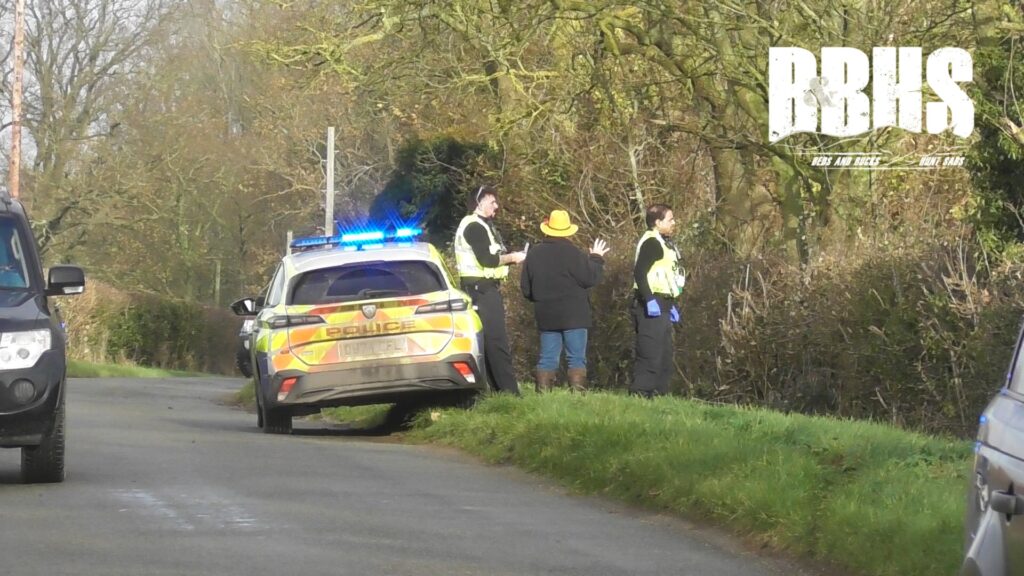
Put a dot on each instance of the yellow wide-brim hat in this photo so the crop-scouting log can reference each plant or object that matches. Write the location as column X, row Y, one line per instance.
column 558, row 225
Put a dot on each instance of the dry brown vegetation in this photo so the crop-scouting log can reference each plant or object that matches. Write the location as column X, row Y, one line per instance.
column 890, row 295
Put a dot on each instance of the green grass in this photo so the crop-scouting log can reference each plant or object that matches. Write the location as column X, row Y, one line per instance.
column 365, row 417
column 246, row 395
column 871, row 498
column 80, row 369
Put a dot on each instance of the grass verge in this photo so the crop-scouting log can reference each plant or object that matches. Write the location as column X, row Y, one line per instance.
column 361, row 417
column 871, row 498
column 80, row 369
column 246, row 395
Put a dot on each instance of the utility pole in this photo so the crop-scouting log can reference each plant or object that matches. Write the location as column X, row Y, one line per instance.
column 216, row 285
column 14, row 168
column 329, row 199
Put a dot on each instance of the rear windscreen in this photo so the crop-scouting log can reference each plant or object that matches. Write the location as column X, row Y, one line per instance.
column 367, row 280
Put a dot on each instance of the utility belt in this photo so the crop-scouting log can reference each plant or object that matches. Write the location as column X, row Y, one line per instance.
column 479, row 284
column 663, row 297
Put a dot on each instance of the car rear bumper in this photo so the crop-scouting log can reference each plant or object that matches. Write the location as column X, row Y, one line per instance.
column 375, row 382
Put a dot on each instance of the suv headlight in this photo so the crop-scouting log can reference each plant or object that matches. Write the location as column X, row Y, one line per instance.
column 247, row 326
column 22, row 349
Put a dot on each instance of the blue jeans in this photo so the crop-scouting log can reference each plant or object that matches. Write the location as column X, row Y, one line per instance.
column 575, row 341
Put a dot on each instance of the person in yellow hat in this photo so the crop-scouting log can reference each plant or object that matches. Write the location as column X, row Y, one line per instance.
column 556, row 277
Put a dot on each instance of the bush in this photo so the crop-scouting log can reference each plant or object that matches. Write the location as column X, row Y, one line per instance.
column 107, row 325
column 918, row 336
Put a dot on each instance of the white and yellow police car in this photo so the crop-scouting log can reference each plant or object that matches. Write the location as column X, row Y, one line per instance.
column 361, row 318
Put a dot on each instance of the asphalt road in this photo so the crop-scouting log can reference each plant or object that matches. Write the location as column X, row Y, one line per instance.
column 163, row 478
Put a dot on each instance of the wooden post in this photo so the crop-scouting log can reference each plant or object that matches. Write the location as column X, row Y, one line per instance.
column 329, row 199
column 14, row 168
column 216, row 285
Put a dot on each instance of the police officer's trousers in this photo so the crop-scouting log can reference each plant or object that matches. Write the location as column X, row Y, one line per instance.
column 486, row 295
column 652, row 371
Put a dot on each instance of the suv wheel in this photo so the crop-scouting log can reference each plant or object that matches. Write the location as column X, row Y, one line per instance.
column 243, row 363
column 45, row 463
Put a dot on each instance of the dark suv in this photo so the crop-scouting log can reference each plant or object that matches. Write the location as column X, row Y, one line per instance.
column 32, row 348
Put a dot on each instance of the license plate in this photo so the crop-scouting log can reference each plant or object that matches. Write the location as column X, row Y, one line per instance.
column 375, row 347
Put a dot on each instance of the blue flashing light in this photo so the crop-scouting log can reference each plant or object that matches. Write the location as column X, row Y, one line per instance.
column 983, row 419
column 358, row 240
column 361, row 237
column 311, row 241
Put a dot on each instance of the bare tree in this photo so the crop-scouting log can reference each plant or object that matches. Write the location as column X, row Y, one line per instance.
column 80, row 54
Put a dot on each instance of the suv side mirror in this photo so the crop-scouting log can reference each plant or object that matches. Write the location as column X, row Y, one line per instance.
column 1008, row 504
column 65, row 280
column 245, row 307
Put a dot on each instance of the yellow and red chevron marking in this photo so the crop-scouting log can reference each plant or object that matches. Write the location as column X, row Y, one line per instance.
column 394, row 331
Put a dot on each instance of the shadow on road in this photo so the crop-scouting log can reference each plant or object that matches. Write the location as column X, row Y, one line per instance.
column 343, row 432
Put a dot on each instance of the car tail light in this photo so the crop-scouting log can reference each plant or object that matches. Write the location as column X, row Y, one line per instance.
column 466, row 371
column 456, row 305
column 286, row 387
column 286, row 321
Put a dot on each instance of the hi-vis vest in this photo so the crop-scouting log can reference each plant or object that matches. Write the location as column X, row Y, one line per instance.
column 466, row 260
column 665, row 275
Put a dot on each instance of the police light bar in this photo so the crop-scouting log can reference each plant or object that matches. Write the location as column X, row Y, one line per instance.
column 356, row 239
column 361, row 237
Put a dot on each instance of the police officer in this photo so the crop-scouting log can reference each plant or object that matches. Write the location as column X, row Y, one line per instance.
column 658, row 281
column 483, row 263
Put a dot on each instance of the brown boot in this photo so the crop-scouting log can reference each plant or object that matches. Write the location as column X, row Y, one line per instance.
column 578, row 379
column 545, row 380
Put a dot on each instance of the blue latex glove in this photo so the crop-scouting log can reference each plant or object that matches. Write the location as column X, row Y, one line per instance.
column 653, row 310
column 673, row 315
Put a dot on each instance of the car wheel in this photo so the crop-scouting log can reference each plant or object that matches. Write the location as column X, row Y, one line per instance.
column 401, row 414
column 243, row 361
column 466, row 400
column 45, row 463
column 276, row 421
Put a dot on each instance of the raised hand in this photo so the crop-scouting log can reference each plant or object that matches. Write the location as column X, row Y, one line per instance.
column 600, row 247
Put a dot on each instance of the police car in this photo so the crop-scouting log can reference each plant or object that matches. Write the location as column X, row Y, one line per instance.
column 361, row 318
